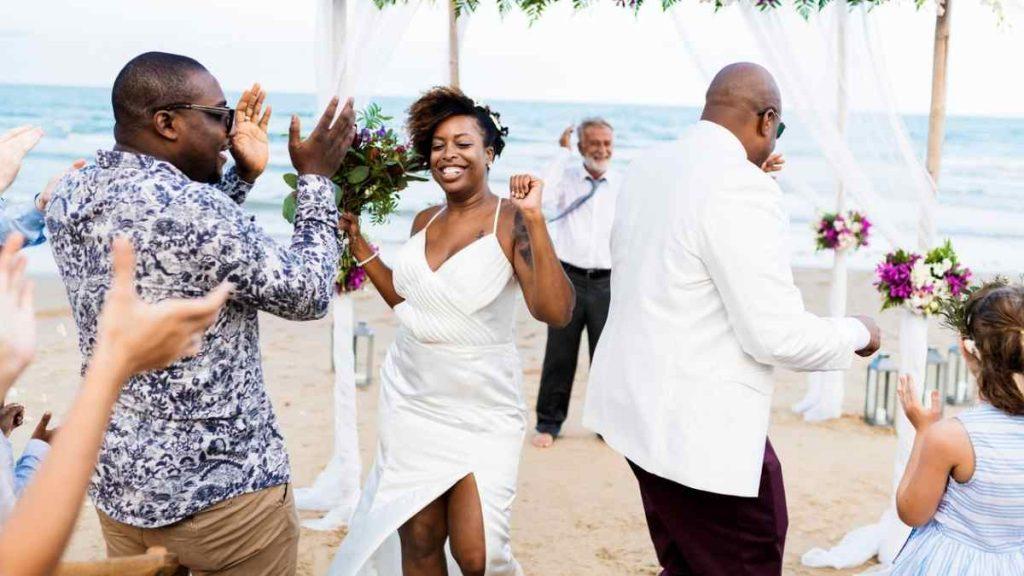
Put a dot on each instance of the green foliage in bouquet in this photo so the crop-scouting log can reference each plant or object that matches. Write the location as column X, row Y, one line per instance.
column 376, row 169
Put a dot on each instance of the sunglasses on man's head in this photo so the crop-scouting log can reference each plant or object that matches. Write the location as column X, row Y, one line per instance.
column 225, row 112
column 781, row 127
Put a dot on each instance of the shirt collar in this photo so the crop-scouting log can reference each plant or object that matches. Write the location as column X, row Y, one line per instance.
column 583, row 175
column 721, row 136
column 122, row 159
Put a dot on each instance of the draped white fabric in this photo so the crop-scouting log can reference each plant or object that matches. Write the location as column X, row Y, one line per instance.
column 846, row 147
column 355, row 42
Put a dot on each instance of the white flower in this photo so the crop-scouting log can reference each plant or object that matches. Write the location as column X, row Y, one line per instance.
column 922, row 301
column 921, row 274
column 846, row 241
column 856, row 227
column 939, row 269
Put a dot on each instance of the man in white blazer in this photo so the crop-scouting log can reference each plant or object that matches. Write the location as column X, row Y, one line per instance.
column 703, row 307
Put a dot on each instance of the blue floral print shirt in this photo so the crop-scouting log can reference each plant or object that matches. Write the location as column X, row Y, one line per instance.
column 202, row 430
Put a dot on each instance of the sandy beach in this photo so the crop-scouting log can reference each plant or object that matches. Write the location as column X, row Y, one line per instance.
column 578, row 510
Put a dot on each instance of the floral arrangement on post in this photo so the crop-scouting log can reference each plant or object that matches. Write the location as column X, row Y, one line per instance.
column 841, row 232
column 376, row 169
column 923, row 283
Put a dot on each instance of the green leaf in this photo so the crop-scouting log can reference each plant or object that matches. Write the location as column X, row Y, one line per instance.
column 288, row 208
column 358, row 174
column 414, row 178
column 292, row 180
column 337, row 195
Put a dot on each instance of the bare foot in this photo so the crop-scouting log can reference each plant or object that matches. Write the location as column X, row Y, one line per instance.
column 543, row 440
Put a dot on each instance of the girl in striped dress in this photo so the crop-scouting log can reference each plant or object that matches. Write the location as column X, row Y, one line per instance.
column 963, row 489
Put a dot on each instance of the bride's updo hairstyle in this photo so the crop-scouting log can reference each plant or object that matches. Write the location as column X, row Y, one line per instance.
column 995, row 322
column 441, row 103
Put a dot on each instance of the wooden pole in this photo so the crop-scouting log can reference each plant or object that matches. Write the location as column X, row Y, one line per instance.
column 453, row 45
column 937, row 119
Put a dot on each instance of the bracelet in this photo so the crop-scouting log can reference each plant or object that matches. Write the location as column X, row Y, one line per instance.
column 375, row 254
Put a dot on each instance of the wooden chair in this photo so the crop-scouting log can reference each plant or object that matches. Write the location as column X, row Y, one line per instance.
column 157, row 561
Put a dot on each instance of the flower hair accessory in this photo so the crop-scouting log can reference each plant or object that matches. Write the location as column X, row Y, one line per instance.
column 495, row 119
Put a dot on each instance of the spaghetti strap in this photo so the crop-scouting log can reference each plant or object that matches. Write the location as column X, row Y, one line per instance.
column 497, row 213
column 432, row 218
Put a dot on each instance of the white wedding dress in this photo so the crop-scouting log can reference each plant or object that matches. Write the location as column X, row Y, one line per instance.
column 450, row 405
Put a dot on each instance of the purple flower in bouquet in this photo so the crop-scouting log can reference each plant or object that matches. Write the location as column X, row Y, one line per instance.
column 958, row 280
column 355, row 279
column 895, row 279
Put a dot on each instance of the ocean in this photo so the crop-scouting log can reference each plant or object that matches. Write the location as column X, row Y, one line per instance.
column 981, row 197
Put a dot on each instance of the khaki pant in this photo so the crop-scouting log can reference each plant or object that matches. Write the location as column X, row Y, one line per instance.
column 254, row 534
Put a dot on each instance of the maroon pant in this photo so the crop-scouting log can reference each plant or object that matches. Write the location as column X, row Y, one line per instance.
column 706, row 534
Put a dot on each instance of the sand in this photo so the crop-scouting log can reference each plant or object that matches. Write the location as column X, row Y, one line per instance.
column 578, row 510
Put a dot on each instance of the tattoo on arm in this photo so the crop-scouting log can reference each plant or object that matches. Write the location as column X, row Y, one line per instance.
column 522, row 238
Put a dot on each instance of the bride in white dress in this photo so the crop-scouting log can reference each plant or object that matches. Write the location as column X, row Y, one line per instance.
column 451, row 417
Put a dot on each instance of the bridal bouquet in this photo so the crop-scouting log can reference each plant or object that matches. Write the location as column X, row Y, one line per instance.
column 378, row 166
column 842, row 231
column 924, row 283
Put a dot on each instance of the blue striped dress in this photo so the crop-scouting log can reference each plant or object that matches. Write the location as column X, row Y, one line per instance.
column 979, row 525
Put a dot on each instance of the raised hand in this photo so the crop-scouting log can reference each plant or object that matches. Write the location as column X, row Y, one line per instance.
column 14, row 144
column 43, row 431
column 774, row 163
column 919, row 416
column 18, row 328
column 566, row 138
column 250, row 146
column 136, row 336
column 322, row 152
column 43, row 200
column 525, row 193
column 11, row 416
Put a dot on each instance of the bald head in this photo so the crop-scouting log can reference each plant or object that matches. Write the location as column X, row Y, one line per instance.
column 744, row 86
column 744, row 99
column 151, row 80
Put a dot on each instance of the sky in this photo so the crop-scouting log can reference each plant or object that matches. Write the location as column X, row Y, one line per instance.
column 604, row 54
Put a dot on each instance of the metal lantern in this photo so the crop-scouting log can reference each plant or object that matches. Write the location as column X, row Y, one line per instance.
column 958, row 378
column 880, row 391
column 934, row 376
column 362, row 349
column 880, row 404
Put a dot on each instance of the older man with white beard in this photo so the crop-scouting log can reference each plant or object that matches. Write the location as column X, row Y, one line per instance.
column 580, row 201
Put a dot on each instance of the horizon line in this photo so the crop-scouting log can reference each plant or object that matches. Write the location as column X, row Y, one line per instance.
column 651, row 104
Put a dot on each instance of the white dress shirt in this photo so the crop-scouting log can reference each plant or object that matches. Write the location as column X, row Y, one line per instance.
column 703, row 307
column 582, row 237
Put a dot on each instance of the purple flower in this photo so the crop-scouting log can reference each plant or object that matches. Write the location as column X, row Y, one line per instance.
column 364, row 135
column 382, row 132
column 958, row 281
column 355, row 278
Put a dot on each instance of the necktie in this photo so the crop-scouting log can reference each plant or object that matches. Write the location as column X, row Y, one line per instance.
column 581, row 200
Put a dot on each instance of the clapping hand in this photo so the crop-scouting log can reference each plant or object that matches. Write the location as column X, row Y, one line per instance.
column 525, row 193
column 14, row 144
column 11, row 416
column 136, row 336
column 43, row 200
column 18, row 328
column 250, row 146
column 919, row 416
column 566, row 138
column 774, row 163
column 43, row 431
column 322, row 152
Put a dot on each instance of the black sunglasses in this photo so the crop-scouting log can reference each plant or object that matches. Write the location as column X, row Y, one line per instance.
column 782, row 125
column 225, row 112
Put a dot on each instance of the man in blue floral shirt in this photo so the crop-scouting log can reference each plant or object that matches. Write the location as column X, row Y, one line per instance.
column 194, row 459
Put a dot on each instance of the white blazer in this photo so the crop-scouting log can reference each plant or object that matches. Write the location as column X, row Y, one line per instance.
column 703, row 305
